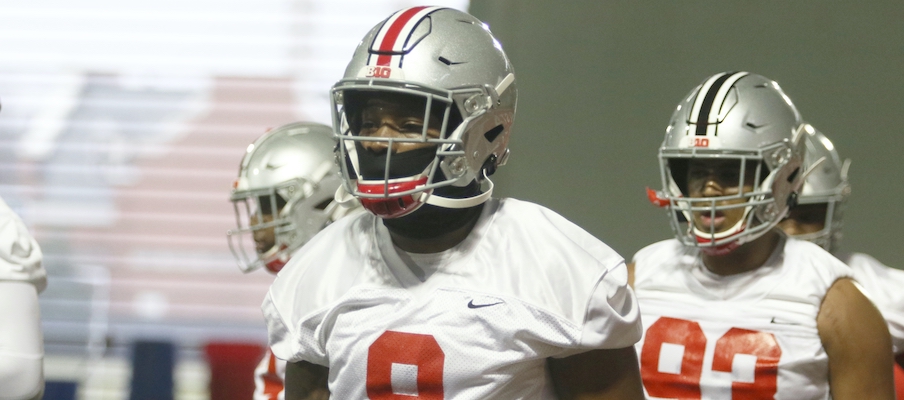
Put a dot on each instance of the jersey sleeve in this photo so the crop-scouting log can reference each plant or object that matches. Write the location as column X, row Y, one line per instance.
column 613, row 317
column 607, row 310
column 883, row 286
column 301, row 299
column 893, row 308
column 20, row 255
column 288, row 341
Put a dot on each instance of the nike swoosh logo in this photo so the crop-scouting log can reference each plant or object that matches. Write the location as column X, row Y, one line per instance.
column 755, row 125
column 781, row 322
column 472, row 305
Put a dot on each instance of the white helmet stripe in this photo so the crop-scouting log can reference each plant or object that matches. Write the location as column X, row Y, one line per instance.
column 393, row 35
column 709, row 101
column 698, row 100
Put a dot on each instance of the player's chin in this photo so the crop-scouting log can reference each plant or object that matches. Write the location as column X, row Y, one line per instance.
column 706, row 224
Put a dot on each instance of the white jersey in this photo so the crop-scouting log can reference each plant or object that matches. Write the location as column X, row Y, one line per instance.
column 752, row 334
column 20, row 255
column 885, row 287
column 269, row 378
column 21, row 343
column 477, row 323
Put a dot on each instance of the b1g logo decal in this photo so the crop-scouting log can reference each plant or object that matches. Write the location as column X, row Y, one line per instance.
column 405, row 366
column 378, row 72
column 706, row 142
column 671, row 360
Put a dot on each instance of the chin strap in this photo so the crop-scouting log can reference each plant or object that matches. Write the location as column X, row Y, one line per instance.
column 467, row 202
column 740, row 226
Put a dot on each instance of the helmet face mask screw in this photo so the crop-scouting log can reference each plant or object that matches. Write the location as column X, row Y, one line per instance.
column 781, row 156
column 477, row 103
column 458, row 165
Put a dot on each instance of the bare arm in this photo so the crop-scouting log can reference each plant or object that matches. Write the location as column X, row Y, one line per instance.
column 597, row 374
column 306, row 381
column 857, row 342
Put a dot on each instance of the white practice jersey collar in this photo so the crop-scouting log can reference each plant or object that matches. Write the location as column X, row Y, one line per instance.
column 726, row 287
column 415, row 268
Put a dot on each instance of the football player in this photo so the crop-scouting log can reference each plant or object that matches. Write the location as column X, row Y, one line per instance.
column 818, row 217
column 283, row 196
column 22, row 277
column 441, row 291
column 732, row 307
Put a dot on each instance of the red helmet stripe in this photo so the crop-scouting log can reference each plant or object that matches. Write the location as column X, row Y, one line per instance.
column 398, row 26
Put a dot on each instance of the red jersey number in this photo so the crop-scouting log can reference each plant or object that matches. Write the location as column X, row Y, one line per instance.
column 685, row 384
column 421, row 351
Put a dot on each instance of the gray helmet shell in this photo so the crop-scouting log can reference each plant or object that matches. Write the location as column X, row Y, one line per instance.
column 295, row 163
column 742, row 116
column 826, row 182
column 450, row 58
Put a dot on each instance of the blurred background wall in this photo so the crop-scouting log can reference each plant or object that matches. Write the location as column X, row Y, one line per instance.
column 598, row 81
column 122, row 127
column 123, row 123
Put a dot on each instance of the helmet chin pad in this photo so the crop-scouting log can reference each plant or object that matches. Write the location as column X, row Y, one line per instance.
column 275, row 258
column 391, row 207
column 274, row 266
column 717, row 246
column 407, row 171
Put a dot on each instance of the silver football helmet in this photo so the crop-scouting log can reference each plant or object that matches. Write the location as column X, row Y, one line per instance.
column 449, row 65
column 283, row 195
column 735, row 116
column 826, row 183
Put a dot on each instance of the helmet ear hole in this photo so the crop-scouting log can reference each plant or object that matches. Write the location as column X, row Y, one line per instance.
column 267, row 206
column 492, row 134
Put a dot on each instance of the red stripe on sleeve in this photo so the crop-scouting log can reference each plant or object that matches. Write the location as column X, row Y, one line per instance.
column 899, row 378
column 273, row 384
